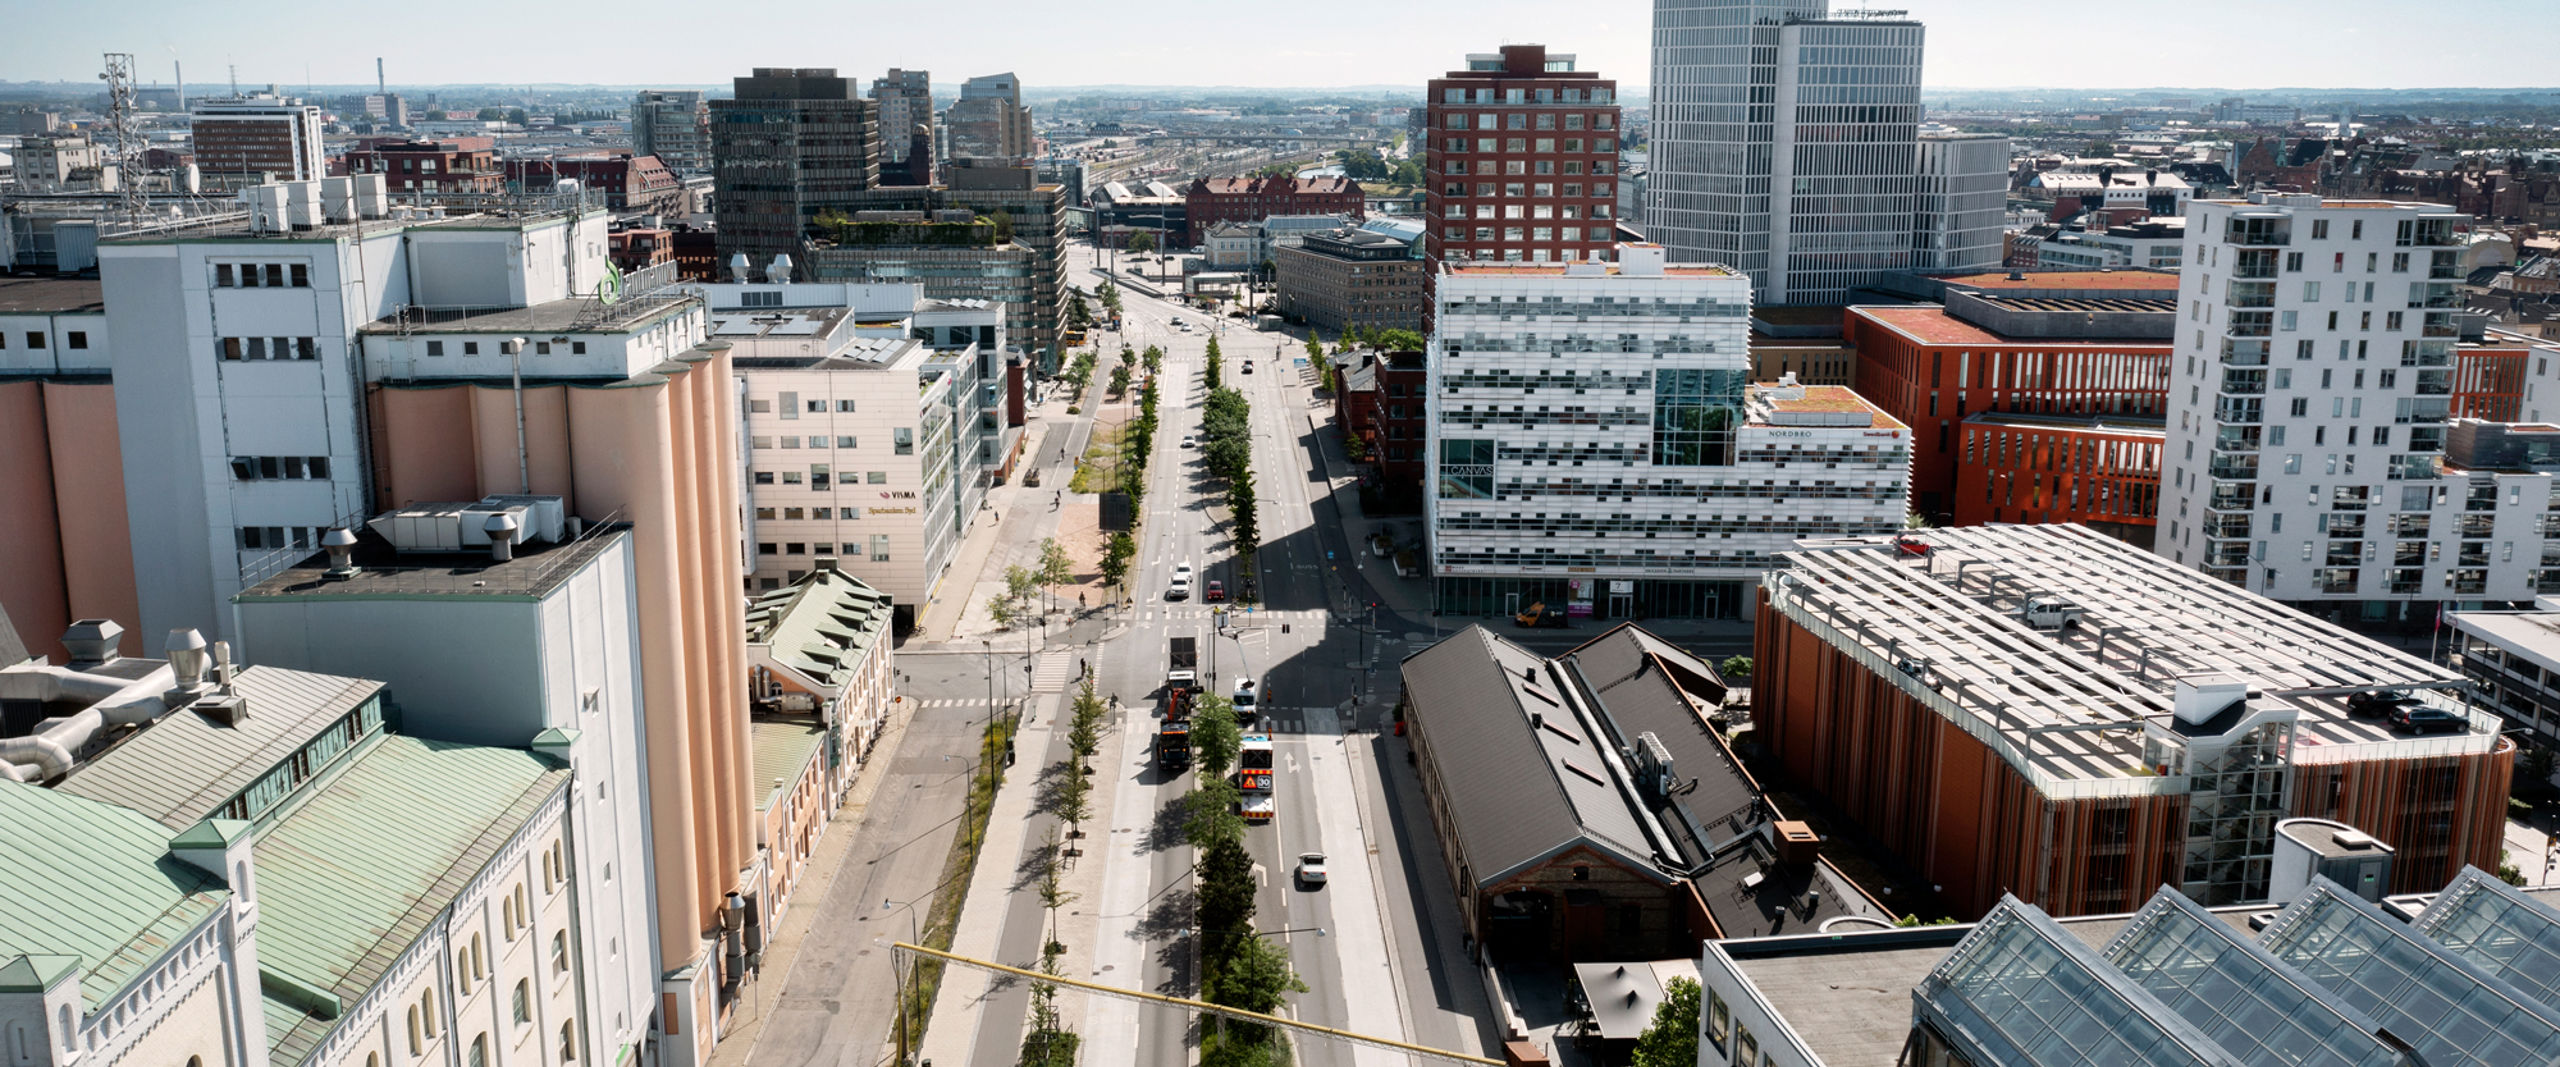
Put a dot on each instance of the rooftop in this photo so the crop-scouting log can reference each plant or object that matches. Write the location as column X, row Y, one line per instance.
column 2065, row 707
column 22, row 295
column 2102, row 424
column 1818, row 400
column 353, row 877
column 1931, row 324
column 383, row 571
column 2164, row 281
column 783, row 748
column 579, row 314
column 134, row 900
column 819, row 627
column 187, row 767
column 2533, row 635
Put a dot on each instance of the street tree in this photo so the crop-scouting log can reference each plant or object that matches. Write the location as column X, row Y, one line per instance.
column 1116, row 554
column 1248, row 526
column 1226, row 899
column 1209, row 812
column 1255, row 976
column 1055, row 568
column 1154, row 360
column 1672, row 1040
column 1079, row 316
column 1215, row 737
column 1141, row 241
column 1072, row 802
column 1120, row 379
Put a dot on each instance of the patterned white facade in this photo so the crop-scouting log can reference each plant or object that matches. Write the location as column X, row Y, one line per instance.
column 1594, row 443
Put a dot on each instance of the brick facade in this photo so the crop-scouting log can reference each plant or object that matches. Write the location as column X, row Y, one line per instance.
column 1210, row 201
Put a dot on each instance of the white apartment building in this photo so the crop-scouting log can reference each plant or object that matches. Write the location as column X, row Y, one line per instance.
column 874, row 427
column 2326, row 465
column 1595, row 447
column 1786, row 143
column 2156, row 243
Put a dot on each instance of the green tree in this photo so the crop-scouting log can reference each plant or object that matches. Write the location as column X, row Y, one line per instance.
column 1079, row 316
column 1072, row 803
column 1215, row 737
column 1116, row 554
column 1407, row 173
column 1050, row 1043
column 1672, row 1040
column 1735, row 668
column 1226, row 899
column 1154, row 360
column 1141, row 241
column 1108, row 295
column 1055, row 567
column 1021, row 583
column 1209, row 813
column 1248, row 526
column 1255, row 976
column 1119, row 380
column 1396, row 341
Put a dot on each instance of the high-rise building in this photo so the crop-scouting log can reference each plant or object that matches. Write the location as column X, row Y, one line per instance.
column 675, row 126
column 252, row 139
column 1522, row 160
column 1679, row 483
column 793, row 144
column 1963, row 202
column 2329, row 464
column 905, row 102
column 988, row 122
column 1785, row 143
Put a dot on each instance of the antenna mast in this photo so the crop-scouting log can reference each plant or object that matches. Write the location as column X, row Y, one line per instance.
column 127, row 125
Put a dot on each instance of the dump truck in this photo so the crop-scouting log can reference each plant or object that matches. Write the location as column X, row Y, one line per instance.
column 1173, row 734
column 1182, row 667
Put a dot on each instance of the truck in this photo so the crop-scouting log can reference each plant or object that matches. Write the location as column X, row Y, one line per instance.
column 1254, row 779
column 2050, row 613
column 1173, row 735
column 1182, row 670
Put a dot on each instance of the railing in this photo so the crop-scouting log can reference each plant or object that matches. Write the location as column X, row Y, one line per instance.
column 2227, row 526
column 2233, row 467
column 2236, row 353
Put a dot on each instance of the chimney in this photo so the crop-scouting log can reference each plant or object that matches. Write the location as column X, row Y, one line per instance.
column 188, row 658
column 739, row 267
column 92, row 643
column 502, row 537
column 341, row 543
column 779, row 272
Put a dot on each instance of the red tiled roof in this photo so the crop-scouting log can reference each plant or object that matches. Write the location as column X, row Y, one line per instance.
column 1930, row 324
column 1299, row 186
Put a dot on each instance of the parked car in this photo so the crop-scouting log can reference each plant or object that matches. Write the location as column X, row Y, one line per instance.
column 2377, row 704
column 1248, row 368
column 2424, row 719
column 1215, row 590
column 1311, row 869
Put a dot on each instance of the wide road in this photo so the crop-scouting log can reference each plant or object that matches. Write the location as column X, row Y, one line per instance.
column 1303, row 658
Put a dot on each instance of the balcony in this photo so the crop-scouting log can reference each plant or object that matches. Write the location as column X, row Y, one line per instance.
column 2471, row 556
column 2241, row 501
column 2426, row 233
column 2226, row 466
column 2338, row 579
column 2244, row 353
column 2409, row 554
column 2263, row 231
column 2546, row 581
column 2227, row 557
column 2410, row 524
column 2236, row 439
column 2250, row 295
column 2259, row 264
column 2250, row 326
column 2406, row 582
column 2346, row 525
column 2226, row 526
column 2469, row 583
column 2233, row 575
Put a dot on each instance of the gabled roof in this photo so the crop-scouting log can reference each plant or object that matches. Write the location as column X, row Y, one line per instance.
column 782, row 750
column 84, row 879
column 186, row 766
column 352, row 878
column 1523, row 777
column 819, row 627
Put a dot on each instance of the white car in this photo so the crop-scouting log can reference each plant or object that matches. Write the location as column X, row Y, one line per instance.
column 1187, row 442
column 1311, row 869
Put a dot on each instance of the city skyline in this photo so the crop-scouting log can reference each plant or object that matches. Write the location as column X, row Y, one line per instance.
column 1971, row 45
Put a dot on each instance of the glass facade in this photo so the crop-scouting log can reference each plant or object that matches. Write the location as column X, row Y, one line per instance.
column 1695, row 412
column 2228, row 987
column 2026, row 992
column 2453, row 1015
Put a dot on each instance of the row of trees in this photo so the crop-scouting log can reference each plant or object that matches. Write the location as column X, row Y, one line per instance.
column 1365, row 164
column 1238, row 968
column 1226, row 447
column 1050, row 1043
column 1025, row 586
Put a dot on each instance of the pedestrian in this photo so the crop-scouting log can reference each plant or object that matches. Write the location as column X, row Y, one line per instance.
column 1079, row 601
column 1084, row 667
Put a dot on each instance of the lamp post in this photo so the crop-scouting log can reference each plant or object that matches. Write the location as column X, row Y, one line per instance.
column 904, row 993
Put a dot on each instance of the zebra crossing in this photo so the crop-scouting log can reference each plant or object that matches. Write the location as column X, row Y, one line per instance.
column 1235, row 616
column 979, row 703
column 1283, row 720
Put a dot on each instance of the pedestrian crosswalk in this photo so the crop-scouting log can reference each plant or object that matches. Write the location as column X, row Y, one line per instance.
column 952, row 702
column 1050, row 672
column 1235, row 616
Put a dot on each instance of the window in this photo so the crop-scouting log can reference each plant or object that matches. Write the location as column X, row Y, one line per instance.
column 568, row 1042
column 902, row 440
column 760, row 406
column 577, row 348
column 301, row 275
column 764, row 477
column 880, row 548
column 846, row 442
column 462, row 969
column 817, row 407
column 522, row 1001
column 876, row 477
column 78, row 339
column 844, row 406
column 34, row 339
column 818, row 477
column 427, row 1009
column 434, row 348
column 479, row 1052
column 417, row 1045
column 1719, row 1020
column 470, row 348
column 222, row 275
column 790, row 405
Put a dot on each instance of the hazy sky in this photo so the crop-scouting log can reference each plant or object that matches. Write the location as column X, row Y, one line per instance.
column 2219, row 43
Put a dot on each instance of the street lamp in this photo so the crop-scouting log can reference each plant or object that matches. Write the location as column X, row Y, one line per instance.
column 904, row 994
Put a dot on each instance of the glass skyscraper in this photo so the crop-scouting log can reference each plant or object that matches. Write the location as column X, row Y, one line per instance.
column 1785, row 143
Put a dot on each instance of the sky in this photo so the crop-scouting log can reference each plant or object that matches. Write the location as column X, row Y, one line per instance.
column 2235, row 44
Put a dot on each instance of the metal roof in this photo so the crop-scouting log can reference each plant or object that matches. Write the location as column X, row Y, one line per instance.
column 1524, row 777
column 184, row 767
column 783, row 748
column 820, row 627
column 80, row 878
column 2066, row 707
column 367, row 865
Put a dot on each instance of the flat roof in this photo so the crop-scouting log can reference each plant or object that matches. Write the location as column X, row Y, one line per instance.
column 577, row 314
column 21, row 295
column 2068, row 707
column 2165, row 281
column 383, row 571
column 1930, row 324
column 782, row 751
column 2534, row 635
column 1817, row 399
column 1558, row 269
column 1852, row 1009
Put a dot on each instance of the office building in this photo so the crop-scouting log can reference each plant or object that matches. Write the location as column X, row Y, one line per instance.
column 988, row 122
column 2513, row 658
column 64, row 551
column 1596, row 448
column 1018, row 257
column 793, row 144
column 61, row 163
column 675, row 126
column 387, row 110
column 2049, row 345
column 1378, row 399
column 282, row 387
column 2153, row 243
column 1121, row 209
column 1522, row 160
column 250, row 140
column 905, row 102
column 1210, row 201
column 2323, row 468
column 1786, row 143
column 1344, row 278
column 1962, row 200
column 2047, row 712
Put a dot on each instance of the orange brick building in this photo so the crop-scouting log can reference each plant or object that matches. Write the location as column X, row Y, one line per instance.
column 2155, row 741
column 2056, row 468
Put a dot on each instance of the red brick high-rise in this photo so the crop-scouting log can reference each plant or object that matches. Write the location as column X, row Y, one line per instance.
column 1522, row 160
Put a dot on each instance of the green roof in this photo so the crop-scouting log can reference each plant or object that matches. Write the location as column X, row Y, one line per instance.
column 91, row 880
column 351, row 879
column 186, row 766
column 783, row 748
column 820, row 626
